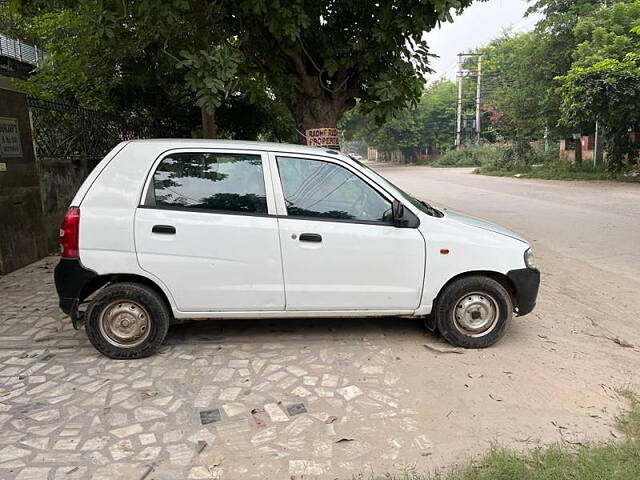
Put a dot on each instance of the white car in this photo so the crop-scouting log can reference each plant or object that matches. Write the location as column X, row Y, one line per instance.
column 165, row 230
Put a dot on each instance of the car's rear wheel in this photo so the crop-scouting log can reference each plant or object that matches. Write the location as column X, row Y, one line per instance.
column 127, row 320
column 473, row 312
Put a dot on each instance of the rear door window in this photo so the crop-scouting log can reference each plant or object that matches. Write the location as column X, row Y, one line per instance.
column 225, row 182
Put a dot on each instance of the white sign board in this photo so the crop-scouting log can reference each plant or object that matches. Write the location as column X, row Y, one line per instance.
column 322, row 137
column 10, row 144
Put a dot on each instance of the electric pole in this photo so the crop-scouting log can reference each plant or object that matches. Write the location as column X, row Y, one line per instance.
column 459, row 109
column 465, row 73
column 478, row 100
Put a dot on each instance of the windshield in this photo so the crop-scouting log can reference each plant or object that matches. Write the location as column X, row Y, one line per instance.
column 419, row 204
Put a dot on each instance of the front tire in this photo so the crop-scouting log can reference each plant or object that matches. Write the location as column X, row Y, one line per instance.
column 127, row 321
column 473, row 312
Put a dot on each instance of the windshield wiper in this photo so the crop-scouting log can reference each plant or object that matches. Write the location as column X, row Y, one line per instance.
column 434, row 212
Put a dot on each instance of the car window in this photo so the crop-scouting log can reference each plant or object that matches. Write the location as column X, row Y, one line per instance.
column 313, row 188
column 229, row 182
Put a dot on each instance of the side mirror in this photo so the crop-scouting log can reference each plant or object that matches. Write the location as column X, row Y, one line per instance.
column 403, row 217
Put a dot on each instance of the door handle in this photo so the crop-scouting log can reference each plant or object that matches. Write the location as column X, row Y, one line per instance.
column 166, row 229
column 310, row 237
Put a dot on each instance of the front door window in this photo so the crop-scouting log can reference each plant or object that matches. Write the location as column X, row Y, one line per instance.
column 317, row 189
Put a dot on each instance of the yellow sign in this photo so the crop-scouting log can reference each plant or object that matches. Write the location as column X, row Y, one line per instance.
column 3, row 167
column 322, row 137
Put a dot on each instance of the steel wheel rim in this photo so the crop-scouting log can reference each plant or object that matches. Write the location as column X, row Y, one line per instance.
column 124, row 324
column 476, row 314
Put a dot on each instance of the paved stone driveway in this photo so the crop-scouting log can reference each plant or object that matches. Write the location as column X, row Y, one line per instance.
column 283, row 399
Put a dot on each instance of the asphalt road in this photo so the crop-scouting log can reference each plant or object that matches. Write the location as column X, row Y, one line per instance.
column 595, row 222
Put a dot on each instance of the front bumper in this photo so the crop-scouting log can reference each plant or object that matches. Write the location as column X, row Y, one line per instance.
column 527, row 283
column 71, row 279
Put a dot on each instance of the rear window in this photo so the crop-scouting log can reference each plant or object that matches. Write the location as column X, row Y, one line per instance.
column 229, row 182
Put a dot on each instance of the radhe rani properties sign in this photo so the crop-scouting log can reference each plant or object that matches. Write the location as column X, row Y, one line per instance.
column 322, row 137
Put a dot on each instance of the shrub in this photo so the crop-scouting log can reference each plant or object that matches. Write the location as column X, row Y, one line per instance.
column 474, row 156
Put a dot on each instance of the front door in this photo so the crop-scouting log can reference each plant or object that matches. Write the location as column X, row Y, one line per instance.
column 204, row 230
column 340, row 250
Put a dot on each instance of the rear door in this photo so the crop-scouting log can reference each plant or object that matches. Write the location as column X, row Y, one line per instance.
column 204, row 230
column 340, row 249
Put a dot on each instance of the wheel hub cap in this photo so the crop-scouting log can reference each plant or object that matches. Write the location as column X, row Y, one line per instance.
column 475, row 314
column 124, row 324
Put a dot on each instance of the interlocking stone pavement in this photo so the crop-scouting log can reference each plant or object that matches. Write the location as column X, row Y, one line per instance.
column 285, row 399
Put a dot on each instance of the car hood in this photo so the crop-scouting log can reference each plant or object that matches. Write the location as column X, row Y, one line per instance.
column 476, row 222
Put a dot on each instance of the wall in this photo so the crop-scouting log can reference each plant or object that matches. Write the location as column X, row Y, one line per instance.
column 60, row 178
column 22, row 232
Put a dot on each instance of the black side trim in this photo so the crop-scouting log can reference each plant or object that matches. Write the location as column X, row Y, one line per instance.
column 527, row 283
column 70, row 278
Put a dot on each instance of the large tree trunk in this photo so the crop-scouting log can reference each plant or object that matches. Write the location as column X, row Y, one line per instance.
column 209, row 127
column 319, row 103
column 318, row 110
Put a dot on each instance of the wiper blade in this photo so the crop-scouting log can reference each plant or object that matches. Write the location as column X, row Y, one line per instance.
column 434, row 212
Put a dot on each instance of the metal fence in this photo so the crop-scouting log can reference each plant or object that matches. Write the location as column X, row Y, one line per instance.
column 61, row 130
column 20, row 51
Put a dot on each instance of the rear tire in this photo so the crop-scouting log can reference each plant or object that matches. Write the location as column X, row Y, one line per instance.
column 473, row 312
column 127, row 321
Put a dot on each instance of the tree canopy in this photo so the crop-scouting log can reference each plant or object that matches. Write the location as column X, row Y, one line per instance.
column 428, row 126
column 317, row 58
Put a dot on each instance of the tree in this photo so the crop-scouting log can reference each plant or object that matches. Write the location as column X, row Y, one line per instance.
column 436, row 116
column 519, row 86
column 609, row 92
column 604, row 82
column 317, row 57
column 151, row 59
column 428, row 125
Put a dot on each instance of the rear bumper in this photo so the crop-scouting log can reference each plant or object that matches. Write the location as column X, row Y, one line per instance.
column 71, row 279
column 527, row 283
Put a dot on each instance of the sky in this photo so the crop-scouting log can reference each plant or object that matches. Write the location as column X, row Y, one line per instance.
column 478, row 24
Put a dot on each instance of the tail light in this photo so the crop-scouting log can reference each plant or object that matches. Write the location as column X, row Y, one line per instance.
column 70, row 233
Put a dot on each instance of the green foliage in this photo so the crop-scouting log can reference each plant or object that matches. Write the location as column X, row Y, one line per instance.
column 608, row 91
column 603, row 83
column 428, row 125
column 473, row 156
column 335, row 52
column 317, row 57
column 519, row 76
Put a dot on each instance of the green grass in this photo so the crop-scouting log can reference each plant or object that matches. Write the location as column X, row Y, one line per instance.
column 473, row 156
column 558, row 171
column 614, row 460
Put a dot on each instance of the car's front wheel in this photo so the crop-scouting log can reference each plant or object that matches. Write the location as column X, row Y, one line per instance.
column 127, row 320
column 473, row 312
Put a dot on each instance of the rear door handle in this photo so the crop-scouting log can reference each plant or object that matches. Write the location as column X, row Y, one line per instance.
column 166, row 229
column 310, row 237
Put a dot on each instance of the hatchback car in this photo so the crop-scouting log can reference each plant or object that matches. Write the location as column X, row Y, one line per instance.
column 166, row 230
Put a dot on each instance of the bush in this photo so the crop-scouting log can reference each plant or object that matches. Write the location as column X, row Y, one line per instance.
column 474, row 156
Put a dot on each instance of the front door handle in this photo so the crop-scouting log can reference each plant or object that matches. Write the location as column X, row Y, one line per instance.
column 310, row 237
column 166, row 229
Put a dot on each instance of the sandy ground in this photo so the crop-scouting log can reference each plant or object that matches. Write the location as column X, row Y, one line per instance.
column 554, row 376
column 293, row 399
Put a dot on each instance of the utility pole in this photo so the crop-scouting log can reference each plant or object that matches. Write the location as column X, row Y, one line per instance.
column 546, row 139
column 461, row 74
column 598, row 156
column 478, row 100
column 459, row 119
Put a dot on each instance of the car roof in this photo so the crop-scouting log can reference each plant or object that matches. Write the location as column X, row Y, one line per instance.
column 170, row 143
